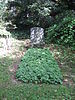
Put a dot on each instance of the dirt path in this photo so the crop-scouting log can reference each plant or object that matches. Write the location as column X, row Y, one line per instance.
column 16, row 51
column 15, row 65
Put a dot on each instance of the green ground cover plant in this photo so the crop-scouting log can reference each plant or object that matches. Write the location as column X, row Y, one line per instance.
column 39, row 66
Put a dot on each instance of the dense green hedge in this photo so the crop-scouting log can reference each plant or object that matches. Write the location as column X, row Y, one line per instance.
column 39, row 66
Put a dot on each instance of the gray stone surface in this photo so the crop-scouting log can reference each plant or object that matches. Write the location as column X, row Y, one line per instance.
column 37, row 36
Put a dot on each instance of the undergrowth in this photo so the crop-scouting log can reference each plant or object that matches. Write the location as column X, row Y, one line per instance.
column 63, row 30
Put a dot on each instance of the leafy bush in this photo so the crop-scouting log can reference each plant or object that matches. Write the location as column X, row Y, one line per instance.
column 38, row 66
column 63, row 30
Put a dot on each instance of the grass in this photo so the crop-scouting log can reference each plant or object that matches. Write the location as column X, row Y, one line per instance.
column 35, row 92
column 10, row 90
column 4, row 73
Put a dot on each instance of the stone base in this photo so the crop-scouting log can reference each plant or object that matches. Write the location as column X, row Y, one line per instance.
column 38, row 45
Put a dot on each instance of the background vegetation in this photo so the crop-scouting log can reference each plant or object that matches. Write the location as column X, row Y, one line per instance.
column 56, row 17
column 62, row 30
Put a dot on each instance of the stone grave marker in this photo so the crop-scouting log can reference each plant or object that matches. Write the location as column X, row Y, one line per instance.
column 37, row 36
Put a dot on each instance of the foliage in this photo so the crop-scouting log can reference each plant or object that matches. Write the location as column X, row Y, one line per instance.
column 38, row 66
column 63, row 30
column 27, row 13
column 2, row 5
column 20, row 34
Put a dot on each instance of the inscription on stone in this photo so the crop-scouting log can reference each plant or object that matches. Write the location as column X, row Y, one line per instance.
column 37, row 36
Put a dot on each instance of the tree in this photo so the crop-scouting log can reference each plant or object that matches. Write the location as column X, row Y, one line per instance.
column 29, row 13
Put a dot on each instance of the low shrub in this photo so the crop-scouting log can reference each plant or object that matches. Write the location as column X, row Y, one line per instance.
column 38, row 66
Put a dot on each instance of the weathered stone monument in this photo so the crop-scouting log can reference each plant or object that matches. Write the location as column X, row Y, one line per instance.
column 37, row 36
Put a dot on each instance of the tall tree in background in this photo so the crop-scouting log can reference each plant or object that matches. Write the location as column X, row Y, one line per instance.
column 28, row 13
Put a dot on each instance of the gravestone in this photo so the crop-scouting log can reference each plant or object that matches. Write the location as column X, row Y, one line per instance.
column 37, row 36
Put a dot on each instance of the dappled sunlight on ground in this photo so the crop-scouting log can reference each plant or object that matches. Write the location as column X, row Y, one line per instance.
column 16, row 47
column 15, row 52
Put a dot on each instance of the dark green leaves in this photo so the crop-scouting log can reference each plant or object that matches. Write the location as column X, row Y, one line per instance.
column 38, row 66
column 63, row 30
